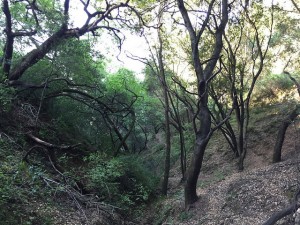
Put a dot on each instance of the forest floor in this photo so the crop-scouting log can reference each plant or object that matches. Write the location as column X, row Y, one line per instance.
column 229, row 197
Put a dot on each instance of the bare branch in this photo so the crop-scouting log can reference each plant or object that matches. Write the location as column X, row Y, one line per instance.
column 95, row 21
column 49, row 145
column 296, row 6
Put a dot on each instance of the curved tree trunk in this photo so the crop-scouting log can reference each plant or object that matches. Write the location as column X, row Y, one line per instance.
column 203, row 76
column 190, row 189
column 281, row 134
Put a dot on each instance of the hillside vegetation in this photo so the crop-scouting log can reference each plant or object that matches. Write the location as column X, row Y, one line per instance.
column 34, row 192
column 207, row 132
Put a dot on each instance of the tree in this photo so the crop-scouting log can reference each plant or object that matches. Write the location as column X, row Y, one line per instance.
column 102, row 18
column 245, row 53
column 281, row 133
column 164, row 87
column 156, row 65
column 285, row 124
column 204, row 73
column 48, row 30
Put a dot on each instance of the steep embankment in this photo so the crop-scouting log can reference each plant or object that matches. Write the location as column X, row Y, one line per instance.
column 243, row 198
column 230, row 197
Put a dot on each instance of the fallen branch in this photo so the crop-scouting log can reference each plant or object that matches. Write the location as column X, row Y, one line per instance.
column 284, row 212
column 25, row 157
column 81, row 201
column 49, row 145
column 50, row 148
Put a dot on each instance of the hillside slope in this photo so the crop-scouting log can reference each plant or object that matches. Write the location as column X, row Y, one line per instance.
column 229, row 197
column 243, row 198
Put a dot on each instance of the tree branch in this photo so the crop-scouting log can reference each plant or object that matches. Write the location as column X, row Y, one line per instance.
column 49, row 145
column 284, row 212
column 91, row 25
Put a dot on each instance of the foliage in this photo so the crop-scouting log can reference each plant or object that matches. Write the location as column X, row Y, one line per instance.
column 20, row 185
column 6, row 97
column 103, row 110
column 274, row 88
column 123, row 181
column 184, row 216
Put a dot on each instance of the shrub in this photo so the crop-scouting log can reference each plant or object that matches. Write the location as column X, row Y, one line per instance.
column 19, row 185
column 273, row 88
column 6, row 96
column 121, row 181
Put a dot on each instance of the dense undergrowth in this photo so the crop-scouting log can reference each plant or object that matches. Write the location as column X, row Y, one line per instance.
column 28, row 176
column 21, row 186
column 123, row 182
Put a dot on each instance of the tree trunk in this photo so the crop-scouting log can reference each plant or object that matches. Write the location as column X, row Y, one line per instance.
column 164, row 86
column 203, row 75
column 182, row 153
column 281, row 134
column 180, row 129
column 241, row 150
column 190, row 189
column 164, row 189
column 240, row 114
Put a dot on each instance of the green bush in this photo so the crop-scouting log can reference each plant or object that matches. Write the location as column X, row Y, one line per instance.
column 121, row 181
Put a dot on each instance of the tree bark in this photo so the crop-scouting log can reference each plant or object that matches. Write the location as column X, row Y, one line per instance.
column 190, row 189
column 164, row 86
column 203, row 76
column 281, row 134
column 8, row 48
